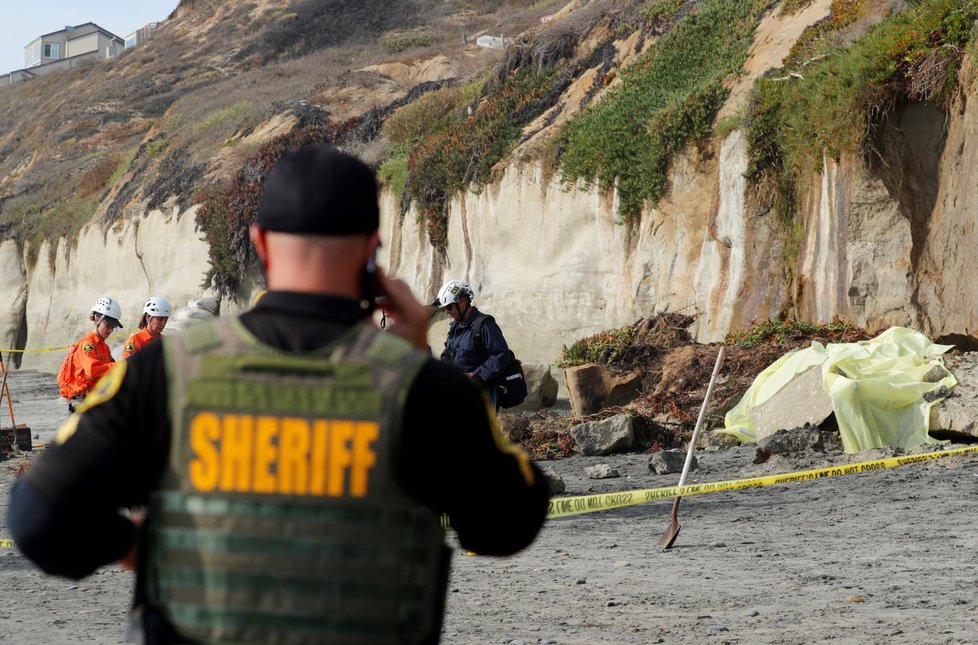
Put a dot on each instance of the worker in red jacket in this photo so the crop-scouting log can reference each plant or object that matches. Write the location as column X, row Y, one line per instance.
column 156, row 313
column 90, row 357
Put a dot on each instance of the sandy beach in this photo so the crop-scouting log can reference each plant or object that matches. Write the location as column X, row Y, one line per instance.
column 878, row 558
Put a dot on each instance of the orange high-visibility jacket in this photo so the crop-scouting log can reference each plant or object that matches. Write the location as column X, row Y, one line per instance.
column 136, row 342
column 89, row 359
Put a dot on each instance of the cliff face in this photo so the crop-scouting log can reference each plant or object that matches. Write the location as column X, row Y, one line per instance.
column 554, row 264
column 154, row 255
column 946, row 291
column 885, row 239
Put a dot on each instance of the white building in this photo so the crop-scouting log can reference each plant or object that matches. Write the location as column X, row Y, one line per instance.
column 65, row 49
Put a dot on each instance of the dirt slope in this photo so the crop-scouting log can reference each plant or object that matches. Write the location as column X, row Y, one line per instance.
column 151, row 127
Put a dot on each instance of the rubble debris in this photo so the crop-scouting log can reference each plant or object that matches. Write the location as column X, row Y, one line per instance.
column 673, row 372
column 606, row 437
column 601, row 471
column 803, row 439
column 668, row 462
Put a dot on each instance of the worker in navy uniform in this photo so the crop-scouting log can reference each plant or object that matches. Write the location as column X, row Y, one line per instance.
column 475, row 343
column 294, row 460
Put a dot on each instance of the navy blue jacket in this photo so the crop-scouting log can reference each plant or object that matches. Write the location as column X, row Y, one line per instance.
column 486, row 360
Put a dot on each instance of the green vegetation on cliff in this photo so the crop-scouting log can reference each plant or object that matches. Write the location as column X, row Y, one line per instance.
column 666, row 99
column 151, row 128
column 783, row 332
column 599, row 348
column 227, row 210
column 451, row 139
column 464, row 152
column 832, row 93
column 408, row 127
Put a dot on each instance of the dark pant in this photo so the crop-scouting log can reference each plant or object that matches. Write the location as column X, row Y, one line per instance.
column 74, row 403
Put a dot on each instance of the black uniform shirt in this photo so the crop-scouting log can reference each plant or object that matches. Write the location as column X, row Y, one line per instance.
column 64, row 513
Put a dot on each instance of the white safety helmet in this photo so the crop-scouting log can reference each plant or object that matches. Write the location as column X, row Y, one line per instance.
column 451, row 291
column 158, row 307
column 108, row 307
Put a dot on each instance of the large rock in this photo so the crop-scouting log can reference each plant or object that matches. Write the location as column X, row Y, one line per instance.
column 197, row 309
column 955, row 416
column 666, row 462
column 607, row 436
column 490, row 42
column 802, row 401
column 555, row 481
column 591, row 388
column 211, row 305
column 713, row 441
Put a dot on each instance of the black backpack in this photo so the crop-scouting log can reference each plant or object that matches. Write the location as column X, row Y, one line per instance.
column 510, row 385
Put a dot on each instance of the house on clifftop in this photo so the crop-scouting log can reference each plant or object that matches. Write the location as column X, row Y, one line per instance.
column 141, row 34
column 65, row 49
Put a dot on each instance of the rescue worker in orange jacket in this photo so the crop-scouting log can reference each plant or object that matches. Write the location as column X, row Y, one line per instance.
column 90, row 357
column 156, row 313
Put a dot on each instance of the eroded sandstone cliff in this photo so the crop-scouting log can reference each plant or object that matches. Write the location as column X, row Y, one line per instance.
column 880, row 239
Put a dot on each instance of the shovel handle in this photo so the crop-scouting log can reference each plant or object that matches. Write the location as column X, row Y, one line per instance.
column 699, row 419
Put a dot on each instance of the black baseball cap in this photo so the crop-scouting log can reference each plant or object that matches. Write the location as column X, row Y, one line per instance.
column 319, row 190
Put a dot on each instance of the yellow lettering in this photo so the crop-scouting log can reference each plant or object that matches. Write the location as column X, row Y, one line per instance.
column 270, row 455
column 320, row 437
column 205, row 429
column 236, row 450
column 364, row 458
column 266, row 453
column 293, row 460
column 339, row 456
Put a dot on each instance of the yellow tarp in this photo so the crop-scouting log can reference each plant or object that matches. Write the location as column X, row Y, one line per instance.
column 876, row 387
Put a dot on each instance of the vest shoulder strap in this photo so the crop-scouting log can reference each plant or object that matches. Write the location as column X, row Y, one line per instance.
column 477, row 328
column 201, row 336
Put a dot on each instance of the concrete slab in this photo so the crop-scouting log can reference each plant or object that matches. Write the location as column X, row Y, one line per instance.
column 801, row 400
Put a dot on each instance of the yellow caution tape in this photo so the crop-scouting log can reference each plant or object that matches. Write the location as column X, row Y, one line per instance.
column 33, row 351
column 567, row 506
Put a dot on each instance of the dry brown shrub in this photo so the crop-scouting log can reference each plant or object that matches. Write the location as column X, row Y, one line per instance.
column 124, row 131
column 415, row 119
column 929, row 74
column 97, row 178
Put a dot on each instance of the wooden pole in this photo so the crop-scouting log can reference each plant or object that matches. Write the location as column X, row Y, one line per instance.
column 6, row 391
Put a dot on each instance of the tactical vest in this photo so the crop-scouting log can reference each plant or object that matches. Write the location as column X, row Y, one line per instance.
column 278, row 519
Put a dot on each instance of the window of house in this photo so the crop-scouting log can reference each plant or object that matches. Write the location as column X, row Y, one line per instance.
column 51, row 50
column 32, row 56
